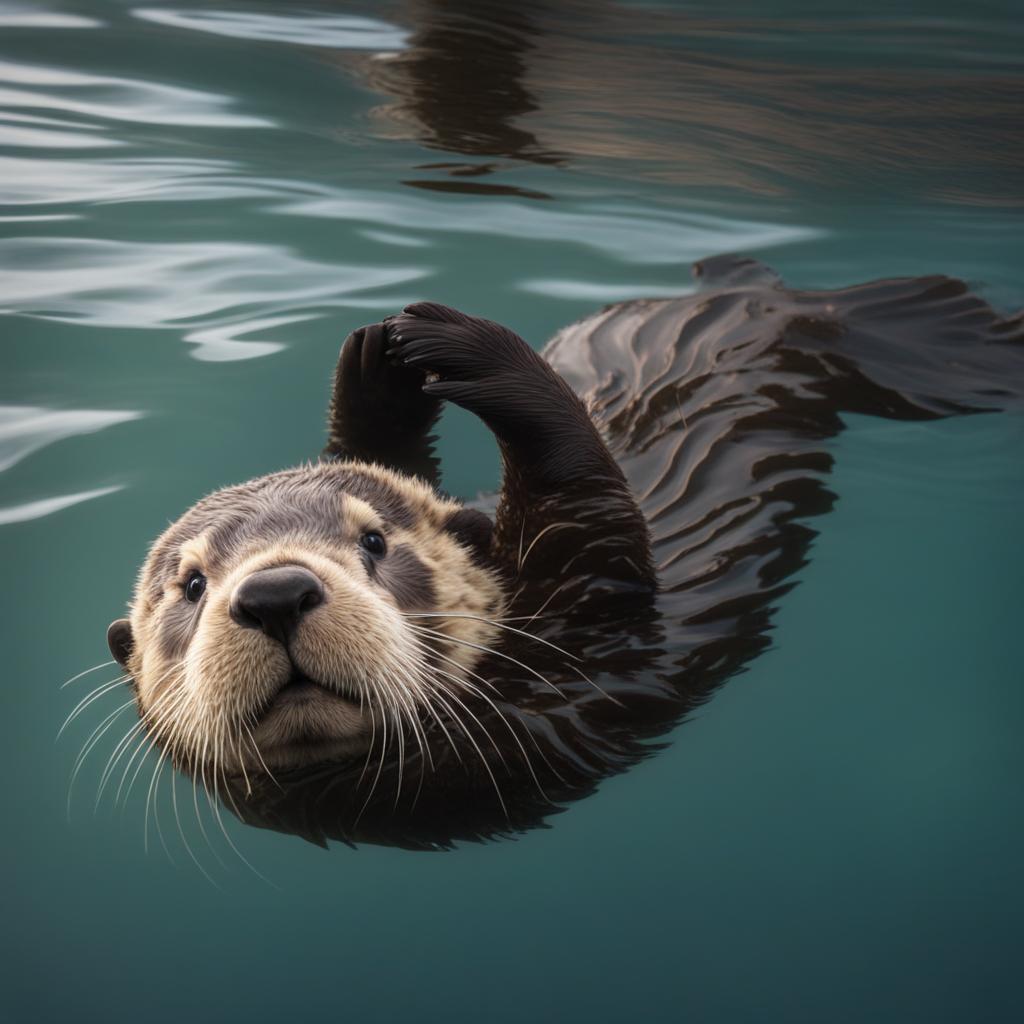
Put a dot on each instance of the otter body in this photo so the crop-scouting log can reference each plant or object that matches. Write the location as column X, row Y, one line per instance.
column 339, row 651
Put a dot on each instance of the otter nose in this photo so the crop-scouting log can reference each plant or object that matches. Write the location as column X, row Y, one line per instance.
column 274, row 600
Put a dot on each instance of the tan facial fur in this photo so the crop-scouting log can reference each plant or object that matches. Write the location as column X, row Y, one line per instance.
column 210, row 690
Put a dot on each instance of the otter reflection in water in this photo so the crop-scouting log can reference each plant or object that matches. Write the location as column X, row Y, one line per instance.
column 341, row 652
column 698, row 97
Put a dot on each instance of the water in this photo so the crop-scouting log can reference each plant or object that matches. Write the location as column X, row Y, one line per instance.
column 198, row 204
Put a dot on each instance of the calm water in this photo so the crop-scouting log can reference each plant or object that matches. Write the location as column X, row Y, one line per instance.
column 198, row 203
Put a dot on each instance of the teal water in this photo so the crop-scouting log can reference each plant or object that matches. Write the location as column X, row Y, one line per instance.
column 197, row 204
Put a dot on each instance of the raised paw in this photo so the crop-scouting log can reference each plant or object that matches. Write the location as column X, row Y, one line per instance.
column 372, row 389
column 379, row 411
column 456, row 351
column 546, row 437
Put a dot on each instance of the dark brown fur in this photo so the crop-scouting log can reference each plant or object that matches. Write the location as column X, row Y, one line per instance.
column 653, row 510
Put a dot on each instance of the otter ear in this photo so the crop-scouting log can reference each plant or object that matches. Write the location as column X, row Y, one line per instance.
column 120, row 641
column 473, row 530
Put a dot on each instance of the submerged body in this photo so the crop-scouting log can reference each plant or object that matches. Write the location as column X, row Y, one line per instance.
column 341, row 652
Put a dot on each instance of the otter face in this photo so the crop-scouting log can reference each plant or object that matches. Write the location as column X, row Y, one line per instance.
column 292, row 619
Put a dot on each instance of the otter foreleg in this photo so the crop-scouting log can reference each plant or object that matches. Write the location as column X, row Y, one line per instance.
column 565, row 508
column 378, row 411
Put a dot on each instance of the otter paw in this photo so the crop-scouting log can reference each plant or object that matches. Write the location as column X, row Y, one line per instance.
column 373, row 385
column 376, row 401
column 455, row 350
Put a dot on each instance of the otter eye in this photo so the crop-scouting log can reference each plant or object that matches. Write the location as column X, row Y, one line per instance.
column 373, row 542
column 195, row 586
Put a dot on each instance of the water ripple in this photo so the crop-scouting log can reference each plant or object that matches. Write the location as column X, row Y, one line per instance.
column 47, row 138
column 47, row 506
column 25, row 429
column 117, row 99
column 221, row 344
column 337, row 31
column 213, row 292
column 628, row 233
column 403, row 241
column 45, row 19
column 597, row 291
column 35, row 218
column 38, row 132
column 26, row 182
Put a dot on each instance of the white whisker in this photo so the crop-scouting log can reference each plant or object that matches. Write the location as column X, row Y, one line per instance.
column 88, row 699
column 90, row 744
column 497, row 625
column 256, row 749
column 550, row 526
column 118, row 752
column 199, row 821
column 489, row 650
column 476, row 747
column 480, row 693
column 554, row 593
column 218, row 750
column 154, row 792
column 380, row 767
column 181, row 831
column 95, row 668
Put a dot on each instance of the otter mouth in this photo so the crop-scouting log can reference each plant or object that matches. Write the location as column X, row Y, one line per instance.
column 298, row 690
column 305, row 716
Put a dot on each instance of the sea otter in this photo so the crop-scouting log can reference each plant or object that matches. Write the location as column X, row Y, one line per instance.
column 341, row 651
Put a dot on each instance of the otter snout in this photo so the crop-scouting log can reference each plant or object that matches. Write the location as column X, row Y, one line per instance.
column 275, row 600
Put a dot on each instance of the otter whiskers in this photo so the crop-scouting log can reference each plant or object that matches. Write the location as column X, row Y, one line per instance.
column 157, row 729
column 496, row 624
column 121, row 748
column 94, row 737
column 483, row 760
column 95, row 668
column 218, row 751
column 500, row 654
column 97, row 733
column 90, row 698
column 508, row 725
column 398, row 698
column 425, row 631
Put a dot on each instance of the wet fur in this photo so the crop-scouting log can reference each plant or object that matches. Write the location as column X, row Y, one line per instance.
column 654, row 507
column 217, row 675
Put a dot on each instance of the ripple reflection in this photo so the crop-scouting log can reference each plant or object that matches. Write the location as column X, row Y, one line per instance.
column 14, row 18
column 116, row 99
column 47, row 506
column 25, row 429
column 26, row 181
column 695, row 95
column 212, row 291
column 632, row 234
column 339, row 31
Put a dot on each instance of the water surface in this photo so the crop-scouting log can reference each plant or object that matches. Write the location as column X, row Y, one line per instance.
column 196, row 204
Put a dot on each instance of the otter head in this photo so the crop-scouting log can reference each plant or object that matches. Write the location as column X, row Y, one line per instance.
column 289, row 620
